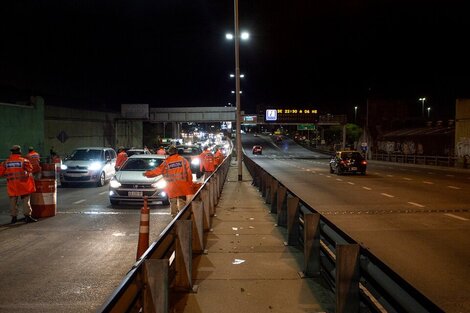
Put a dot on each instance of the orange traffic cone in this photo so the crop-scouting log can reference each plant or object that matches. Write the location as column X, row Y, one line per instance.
column 143, row 244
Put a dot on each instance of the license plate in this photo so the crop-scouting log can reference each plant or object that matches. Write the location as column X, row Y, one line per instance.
column 353, row 168
column 135, row 194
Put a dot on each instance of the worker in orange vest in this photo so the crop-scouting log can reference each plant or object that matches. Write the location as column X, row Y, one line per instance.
column 218, row 157
column 121, row 158
column 161, row 151
column 35, row 160
column 177, row 173
column 20, row 183
column 207, row 162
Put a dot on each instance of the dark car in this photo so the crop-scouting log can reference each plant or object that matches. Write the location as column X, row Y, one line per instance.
column 348, row 162
column 257, row 149
column 191, row 153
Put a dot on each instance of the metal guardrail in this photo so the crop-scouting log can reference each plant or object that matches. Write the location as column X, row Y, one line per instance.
column 416, row 159
column 359, row 278
column 167, row 263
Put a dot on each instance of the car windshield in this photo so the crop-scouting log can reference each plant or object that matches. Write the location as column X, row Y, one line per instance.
column 87, row 155
column 189, row 151
column 141, row 164
column 132, row 152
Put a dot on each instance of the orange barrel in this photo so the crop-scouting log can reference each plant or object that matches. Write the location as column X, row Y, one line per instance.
column 43, row 201
column 48, row 170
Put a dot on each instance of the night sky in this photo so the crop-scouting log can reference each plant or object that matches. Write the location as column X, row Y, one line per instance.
column 174, row 53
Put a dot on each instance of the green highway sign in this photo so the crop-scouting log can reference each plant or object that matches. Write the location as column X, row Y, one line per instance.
column 305, row 126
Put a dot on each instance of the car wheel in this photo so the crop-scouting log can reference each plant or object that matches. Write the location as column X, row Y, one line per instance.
column 102, row 180
column 166, row 202
column 64, row 185
column 114, row 202
column 339, row 171
column 363, row 173
column 331, row 170
column 198, row 174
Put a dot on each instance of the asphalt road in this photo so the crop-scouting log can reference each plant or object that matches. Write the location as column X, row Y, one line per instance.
column 415, row 219
column 73, row 261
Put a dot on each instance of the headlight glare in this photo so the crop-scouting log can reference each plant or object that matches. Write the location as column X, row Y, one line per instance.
column 94, row 166
column 114, row 183
column 63, row 167
column 195, row 161
column 160, row 184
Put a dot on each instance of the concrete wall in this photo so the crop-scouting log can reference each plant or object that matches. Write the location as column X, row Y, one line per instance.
column 462, row 128
column 68, row 128
column 22, row 125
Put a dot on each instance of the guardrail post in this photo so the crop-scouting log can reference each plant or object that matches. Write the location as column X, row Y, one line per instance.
column 205, row 207
column 347, row 278
column 311, row 244
column 273, row 196
column 197, row 218
column 292, row 221
column 214, row 193
column 210, row 188
column 156, row 286
column 184, row 256
column 281, row 206
column 266, row 188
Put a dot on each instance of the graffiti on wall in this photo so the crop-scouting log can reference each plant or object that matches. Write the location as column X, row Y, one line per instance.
column 406, row 147
column 463, row 147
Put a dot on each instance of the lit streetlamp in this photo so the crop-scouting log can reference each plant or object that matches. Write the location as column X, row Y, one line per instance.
column 429, row 111
column 233, row 75
column 355, row 114
column 422, row 105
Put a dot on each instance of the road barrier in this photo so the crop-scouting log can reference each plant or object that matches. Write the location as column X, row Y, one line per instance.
column 144, row 230
column 168, row 260
column 44, row 199
column 358, row 278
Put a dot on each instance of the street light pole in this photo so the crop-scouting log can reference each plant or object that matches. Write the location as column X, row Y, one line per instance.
column 422, row 105
column 355, row 113
column 237, row 91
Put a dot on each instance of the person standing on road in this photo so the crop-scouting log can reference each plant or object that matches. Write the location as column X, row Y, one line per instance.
column 35, row 160
column 20, row 183
column 121, row 158
column 177, row 173
column 207, row 162
column 161, row 151
column 218, row 157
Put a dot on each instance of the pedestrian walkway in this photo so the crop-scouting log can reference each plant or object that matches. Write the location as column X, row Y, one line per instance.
column 248, row 268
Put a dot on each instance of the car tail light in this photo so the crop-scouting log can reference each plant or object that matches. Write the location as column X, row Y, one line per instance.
column 364, row 162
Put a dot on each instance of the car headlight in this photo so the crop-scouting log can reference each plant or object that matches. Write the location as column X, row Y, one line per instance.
column 160, row 184
column 195, row 161
column 95, row 166
column 114, row 183
column 63, row 167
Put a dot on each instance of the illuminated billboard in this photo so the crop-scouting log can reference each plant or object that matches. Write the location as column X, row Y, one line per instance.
column 291, row 115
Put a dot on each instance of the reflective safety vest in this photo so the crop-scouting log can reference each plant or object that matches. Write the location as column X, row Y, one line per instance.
column 207, row 161
column 121, row 158
column 17, row 171
column 177, row 173
column 35, row 159
column 218, row 157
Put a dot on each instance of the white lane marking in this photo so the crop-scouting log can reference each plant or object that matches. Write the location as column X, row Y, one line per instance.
column 416, row 204
column 387, row 195
column 79, row 201
column 453, row 187
column 339, row 179
column 428, row 182
column 450, row 175
column 406, row 178
column 351, row 183
column 431, row 173
column 389, row 175
column 457, row 217
column 367, row 188
column 328, row 176
column 104, row 192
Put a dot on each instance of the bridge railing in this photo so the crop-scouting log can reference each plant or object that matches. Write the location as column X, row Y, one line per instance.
column 358, row 277
column 416, row 159
column 167, row 264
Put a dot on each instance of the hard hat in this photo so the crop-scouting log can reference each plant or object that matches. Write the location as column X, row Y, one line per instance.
column 16, row 149
column 172, row 150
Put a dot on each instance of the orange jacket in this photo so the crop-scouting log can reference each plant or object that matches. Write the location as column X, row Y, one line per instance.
column 35, row 159
column 218, row 158
column 18, row 172
column 121, row 158
column 207, row 161
column 177, row 173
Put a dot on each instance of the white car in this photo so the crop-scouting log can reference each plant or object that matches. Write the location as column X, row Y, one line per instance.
column 130, row 185
column 88, row 165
